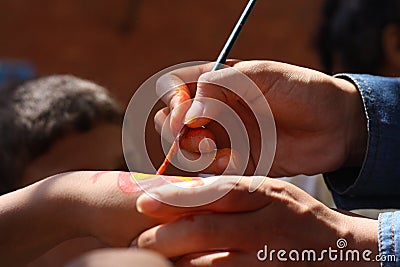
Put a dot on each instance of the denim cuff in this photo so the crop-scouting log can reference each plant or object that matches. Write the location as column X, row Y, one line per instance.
column 375, row 184
column 389, row 238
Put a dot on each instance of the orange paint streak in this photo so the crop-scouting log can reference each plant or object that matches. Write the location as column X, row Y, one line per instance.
column 172, row 151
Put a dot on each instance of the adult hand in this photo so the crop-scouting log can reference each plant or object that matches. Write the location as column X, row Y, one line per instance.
column 319, row 119
column 234, row 230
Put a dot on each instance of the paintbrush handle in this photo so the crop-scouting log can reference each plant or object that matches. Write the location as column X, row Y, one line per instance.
column 218, row 65
column 234, row 35
column 172, row 151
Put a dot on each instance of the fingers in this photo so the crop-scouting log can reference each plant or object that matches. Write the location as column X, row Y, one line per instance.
column 238, row 198
column 203, row 109
column 201, row 142
column 222, row 161
column 226, row 86
column 176, row 88
column 194, row 137
column 207, row 232
column 160, row 119
column 197, row 140
column 226, row 161
column 199, row 150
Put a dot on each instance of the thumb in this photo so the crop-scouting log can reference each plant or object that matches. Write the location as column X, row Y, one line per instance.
column 208, row 91
column 216, row 90
column 230, row 194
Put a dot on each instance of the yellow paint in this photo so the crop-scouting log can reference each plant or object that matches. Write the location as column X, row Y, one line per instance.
column 140, row 176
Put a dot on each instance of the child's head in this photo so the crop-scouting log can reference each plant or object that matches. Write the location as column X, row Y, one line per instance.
column 54, row 124
column 360, row 36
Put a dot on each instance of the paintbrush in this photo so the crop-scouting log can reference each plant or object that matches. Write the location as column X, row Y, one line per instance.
column 218, row 65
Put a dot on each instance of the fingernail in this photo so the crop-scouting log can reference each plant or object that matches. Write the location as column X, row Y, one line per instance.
column 207, row 145
column 147, row 204
column 196, row 110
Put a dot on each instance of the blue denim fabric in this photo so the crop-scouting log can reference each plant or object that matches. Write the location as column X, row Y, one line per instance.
column 15, row 71
column 377, row 184
column 389, row 238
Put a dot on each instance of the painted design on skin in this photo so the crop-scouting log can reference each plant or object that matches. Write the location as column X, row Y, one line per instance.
column 134, row 182
column 126, row 183
column 96, row 177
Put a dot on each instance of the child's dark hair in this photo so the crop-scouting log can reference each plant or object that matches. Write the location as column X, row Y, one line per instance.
column 36, row 113
column 352, row 30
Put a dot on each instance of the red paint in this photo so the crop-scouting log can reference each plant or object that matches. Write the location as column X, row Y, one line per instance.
column 96, row 177
column 126, row 183
column 129, row 185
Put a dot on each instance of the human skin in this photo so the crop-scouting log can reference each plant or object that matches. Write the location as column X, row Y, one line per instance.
column 320, row 123
column 71, row 205
column 231, row 230
column 120, row 258
column 62, row 157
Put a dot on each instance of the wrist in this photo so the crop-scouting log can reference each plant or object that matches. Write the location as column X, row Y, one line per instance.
column 66, row 199
column 355, row 125
column 351, row 236
column 362, row 235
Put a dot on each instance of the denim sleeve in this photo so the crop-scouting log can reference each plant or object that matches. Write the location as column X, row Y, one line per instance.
column 377, row 183
column 389, row 238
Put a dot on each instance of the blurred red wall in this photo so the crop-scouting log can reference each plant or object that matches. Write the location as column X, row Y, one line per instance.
column 120, row 43
column 102, row 40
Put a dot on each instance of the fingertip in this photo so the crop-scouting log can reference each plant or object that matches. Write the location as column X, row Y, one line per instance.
column 227, row 161
column 198, row 140
column 146, row 204
column 196, row 110
column 197, row 122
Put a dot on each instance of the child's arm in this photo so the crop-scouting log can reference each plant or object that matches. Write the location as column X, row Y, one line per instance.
column 120, row 258
column 38, row 217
